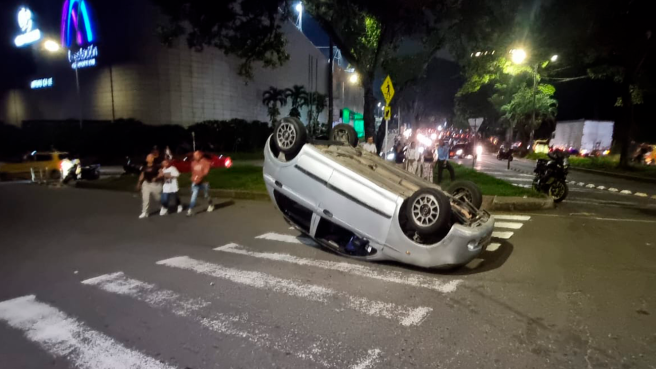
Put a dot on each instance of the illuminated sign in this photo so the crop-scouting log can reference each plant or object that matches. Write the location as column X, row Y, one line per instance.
column 85, row 57
column 41, row 83
column 26, row 23
column 76, row 24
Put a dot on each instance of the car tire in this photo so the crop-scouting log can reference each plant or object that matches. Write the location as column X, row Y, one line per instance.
column 428, row 211
column 466, row 190
column 289, row 136
column 344, row 133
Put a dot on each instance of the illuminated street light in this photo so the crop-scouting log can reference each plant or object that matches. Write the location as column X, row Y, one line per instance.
column 299, row 7
column 354, row 78
column 518, row 56
column 299, row 21
column 554, row 58
column 51, row 46
column 379, row 104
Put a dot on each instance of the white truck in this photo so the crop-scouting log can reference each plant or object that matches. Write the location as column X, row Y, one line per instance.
column 583, row 135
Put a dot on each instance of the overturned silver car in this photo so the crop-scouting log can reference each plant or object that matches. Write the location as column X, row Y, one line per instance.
column 358, row 205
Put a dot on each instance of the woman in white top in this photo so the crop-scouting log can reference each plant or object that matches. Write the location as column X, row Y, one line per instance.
column 170, row 187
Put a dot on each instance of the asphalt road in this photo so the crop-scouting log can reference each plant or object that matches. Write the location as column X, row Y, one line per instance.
column 88, row 285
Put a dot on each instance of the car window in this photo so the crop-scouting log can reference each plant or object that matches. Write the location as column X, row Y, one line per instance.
column 43, row 157
column 64, row 156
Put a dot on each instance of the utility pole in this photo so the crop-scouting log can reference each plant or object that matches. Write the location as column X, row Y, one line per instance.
column 535, row 74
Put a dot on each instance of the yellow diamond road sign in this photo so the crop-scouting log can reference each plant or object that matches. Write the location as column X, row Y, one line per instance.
column 388, row 113
column 387, row 89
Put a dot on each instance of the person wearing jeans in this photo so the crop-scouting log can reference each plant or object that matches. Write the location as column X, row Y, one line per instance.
column 149, row 184
column 200, row 167
column 170, row 175
column 443, row 162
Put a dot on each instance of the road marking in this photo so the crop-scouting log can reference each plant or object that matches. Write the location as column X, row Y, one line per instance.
column 414, row 280
column 511, row 217
column 287, row 238
column 613, row 189
column 510, row 225
column 601, row 188
column 590, row 185
column 516, row 179
column 406, row 316
column 640, row 194
column 64, row 336
column 494, row 246
column 625, row 192
column 227, row 324
column 502, row 235
column 369, row 361
column 581, row 184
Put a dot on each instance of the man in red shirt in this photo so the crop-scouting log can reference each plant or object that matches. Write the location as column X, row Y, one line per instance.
column 200, row 167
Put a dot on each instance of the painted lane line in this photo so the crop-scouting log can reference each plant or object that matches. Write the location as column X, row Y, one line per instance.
column 64, row 337
column 590, row 185
column 640, row 194
column 511, row 217
column 287, row 238
column 494, row 246
column 226, row 324
column 625, row 192
column 355, row 269
column 653, row 197
column 406, row 316
column 601, row 188
column 511, row 225
column 510, row 179
column 613, row 189
column 502, row 235
column 581, row 184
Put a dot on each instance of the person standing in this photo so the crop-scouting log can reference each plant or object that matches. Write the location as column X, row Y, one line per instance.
column 412, row 157
column 149, row 184
column 200, row 167
column 443, row 162
column 399, row 156
column 428, row 164
column 170, row 189
column 370, row 146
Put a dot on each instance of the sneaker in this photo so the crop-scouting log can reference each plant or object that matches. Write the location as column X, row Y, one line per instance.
column 210, row 208
column 163, row 211
column 179, row 208
column 190, row 213
column 143, row 215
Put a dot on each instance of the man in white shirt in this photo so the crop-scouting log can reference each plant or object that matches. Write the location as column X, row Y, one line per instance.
column 370, row 146
column 412, row 157
column 170, row 187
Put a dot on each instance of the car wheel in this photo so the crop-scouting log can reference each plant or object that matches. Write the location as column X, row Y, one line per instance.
column 558, row 190
column 289, row 136
column 55, row 174
column 344, row 133
column 428, row 211
column 466, row 190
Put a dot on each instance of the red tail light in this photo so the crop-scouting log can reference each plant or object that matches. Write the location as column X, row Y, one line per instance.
column 228, row 163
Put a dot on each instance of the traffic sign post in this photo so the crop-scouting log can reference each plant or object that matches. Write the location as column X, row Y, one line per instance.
column 388, row 93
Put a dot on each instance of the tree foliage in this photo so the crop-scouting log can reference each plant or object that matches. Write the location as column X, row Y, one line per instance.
column 526, row 102
column 273, row 98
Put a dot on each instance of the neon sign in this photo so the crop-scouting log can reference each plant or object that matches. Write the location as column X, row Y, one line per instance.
column 76, row 24
column 41, row 83
column 26, row 24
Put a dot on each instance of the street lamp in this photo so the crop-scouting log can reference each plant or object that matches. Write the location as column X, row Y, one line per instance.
column 299, row 21
column 354, row 78
column 518, row 56
column 554, row 58
column 51, row 46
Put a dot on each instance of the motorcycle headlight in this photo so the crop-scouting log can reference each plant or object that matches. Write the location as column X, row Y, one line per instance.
column 391, row 156
column 459, row 152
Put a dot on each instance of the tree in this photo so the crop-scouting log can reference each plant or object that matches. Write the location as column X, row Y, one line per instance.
column 519, row 111
column 248, row 29
column 299, row 99
column 368, row 32
column 272, row 98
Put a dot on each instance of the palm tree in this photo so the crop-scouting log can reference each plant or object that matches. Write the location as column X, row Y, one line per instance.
column 299, row 98
column 317, row 103
column 272, row 98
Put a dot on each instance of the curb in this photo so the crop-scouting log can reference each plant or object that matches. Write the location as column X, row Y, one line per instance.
column 228, row 194
column 594, row 186
column 520, row 204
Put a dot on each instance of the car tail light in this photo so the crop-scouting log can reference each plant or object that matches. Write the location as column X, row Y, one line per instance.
column 228, row 163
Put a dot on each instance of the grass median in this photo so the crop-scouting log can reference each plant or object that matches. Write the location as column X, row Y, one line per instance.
column 490, row 186
column 608, row 163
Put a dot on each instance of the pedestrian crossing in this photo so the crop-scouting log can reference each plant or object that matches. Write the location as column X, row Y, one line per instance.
column 263, row 267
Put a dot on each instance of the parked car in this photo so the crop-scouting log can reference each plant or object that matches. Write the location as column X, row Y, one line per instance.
column 46, row 164
column 183, row 164
column 361, row 206
column 461, row 150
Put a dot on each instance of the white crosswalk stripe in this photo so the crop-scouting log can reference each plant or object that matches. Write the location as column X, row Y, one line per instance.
column 404, row 315
column 232, row 325
column 376, row 272
column 511, row 217
column 65, row 337
column 511, row 225
column 502, row 235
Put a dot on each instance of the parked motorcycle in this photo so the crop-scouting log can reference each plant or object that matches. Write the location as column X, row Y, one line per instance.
column 73, row 170
column 505, row 153
column 551, row 176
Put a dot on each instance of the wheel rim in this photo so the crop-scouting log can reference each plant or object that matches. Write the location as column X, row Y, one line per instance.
column 425, row 210
column 286, row 136
column 341, row 135
column 557, row 190
column 463, row 194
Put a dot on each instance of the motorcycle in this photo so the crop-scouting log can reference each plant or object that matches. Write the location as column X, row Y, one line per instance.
column 505, row 154
column 73, row 170
column 130, row 167
column 551, row 176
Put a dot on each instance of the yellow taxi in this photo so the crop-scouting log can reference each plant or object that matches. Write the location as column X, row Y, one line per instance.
column 45, row 164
